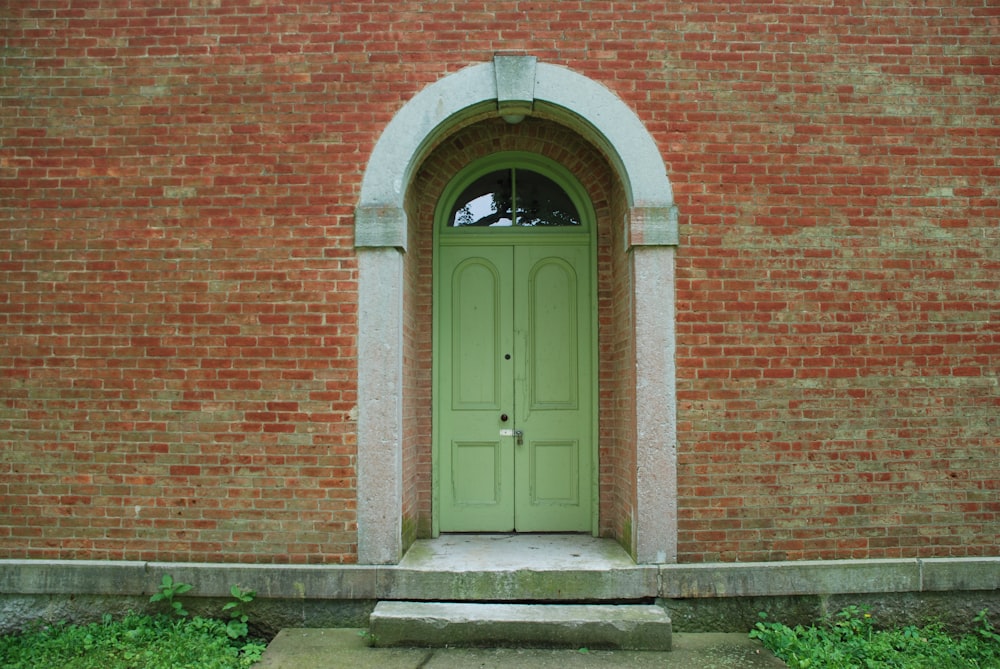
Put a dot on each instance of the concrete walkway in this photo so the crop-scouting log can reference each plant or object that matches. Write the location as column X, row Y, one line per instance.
column 348, row 649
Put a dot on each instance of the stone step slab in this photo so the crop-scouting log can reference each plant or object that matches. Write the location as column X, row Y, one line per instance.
column 463, row 624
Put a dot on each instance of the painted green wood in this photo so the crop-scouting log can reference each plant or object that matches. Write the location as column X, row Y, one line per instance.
column 534, row 304
column 475, row 466
column 553, row 386
column 527, row 291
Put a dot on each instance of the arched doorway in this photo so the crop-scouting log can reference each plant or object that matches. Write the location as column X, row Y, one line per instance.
column 515, row 357
column 388, row 387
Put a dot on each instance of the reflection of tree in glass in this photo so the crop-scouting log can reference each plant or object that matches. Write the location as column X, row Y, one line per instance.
column 485, row 202
column 545, row 214
column 462, row 217
column 540, row 201
column 492, row 199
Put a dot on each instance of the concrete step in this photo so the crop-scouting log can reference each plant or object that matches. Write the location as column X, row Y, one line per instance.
column 518, row 568
column 440, row 624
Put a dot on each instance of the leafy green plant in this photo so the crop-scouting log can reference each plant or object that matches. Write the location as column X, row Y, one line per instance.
column 985, row 629
column 168, row 591
column 237, row 628
column 850, row 640
column 150, row 642
column 162, row 641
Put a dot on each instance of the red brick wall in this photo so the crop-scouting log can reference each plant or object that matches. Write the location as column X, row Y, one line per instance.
column 839, row 342
column 417, row 391
column 178, row 306
column 618, row 376
column 178, row 281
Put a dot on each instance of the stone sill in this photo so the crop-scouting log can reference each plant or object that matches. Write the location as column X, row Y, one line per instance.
column 372, row 582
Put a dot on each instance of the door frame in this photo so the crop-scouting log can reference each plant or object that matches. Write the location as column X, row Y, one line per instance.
column 586, row 235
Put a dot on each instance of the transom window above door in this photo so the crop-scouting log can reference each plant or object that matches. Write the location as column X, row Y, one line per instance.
column 513, row 197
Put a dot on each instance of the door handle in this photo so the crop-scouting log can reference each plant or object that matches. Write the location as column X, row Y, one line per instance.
column 519, row 437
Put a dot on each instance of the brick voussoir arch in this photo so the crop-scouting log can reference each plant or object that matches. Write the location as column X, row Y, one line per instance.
column 512, row 87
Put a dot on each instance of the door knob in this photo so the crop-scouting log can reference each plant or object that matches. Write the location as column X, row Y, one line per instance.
column 503, row 418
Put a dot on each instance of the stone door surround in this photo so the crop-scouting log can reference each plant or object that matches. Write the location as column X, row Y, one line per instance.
column 513, row 87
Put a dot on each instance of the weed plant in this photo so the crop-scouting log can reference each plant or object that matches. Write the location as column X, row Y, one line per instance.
column 136, row 641
column 168, row 640
column 850, row 640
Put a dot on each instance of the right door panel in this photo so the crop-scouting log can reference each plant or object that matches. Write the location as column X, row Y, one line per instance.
column 553, row 388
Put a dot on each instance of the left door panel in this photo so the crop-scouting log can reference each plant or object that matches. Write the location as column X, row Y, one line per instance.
column 476, row 467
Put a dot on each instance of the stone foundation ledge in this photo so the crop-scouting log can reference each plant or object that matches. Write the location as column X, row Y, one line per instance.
column 367, row 582
column 699, row 598
column 828, row 577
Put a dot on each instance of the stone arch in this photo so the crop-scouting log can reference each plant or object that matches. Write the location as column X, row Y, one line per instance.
column 512, row 87
column 515, row 86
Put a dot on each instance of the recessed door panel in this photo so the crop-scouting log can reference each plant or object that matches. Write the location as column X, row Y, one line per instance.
column 553, row 335
column 476, row 472
column 476, row 319
column 555, row 473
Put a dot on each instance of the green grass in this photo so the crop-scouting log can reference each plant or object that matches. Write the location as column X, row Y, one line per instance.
column 850, row 640
column 135, row 642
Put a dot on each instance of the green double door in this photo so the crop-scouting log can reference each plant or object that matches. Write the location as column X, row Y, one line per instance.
column 515, row 389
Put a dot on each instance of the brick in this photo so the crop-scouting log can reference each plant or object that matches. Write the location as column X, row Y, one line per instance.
column 185, row 245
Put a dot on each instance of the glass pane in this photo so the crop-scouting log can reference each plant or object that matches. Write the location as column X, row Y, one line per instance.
column 540, row 201
column 486, row 202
